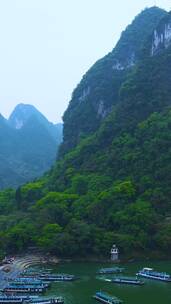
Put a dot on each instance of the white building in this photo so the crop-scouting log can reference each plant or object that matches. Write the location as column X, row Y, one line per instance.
column 114, row 253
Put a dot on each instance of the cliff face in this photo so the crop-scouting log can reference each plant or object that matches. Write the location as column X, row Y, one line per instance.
column 98, row 91
column 161, row 38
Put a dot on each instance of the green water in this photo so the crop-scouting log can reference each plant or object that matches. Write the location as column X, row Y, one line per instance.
column 82, row 290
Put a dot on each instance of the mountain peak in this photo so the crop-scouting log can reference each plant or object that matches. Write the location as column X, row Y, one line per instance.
column 29, row 144
column 129, row 47
column 22, row 113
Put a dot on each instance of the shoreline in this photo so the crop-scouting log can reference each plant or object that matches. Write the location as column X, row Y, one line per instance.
column 25, row 261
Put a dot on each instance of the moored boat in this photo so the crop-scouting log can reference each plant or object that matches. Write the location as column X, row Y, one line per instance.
column 12, row 299
column 33, row 273
column 149, row 273
column 110, row 270
column 56, row 300
column 30, row 300
column 29, row 275
column 29, row 282
column 57, row 277
column 122, row 280
column 105, row 298
column 23, row 289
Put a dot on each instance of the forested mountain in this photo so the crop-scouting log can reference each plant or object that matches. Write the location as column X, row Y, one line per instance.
column 98, row 91
column 28, row 145
column 114, row 185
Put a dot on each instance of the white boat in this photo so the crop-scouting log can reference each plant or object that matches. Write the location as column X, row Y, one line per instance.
column 149, row 273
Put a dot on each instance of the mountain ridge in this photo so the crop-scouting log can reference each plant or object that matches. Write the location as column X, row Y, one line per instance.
column 113, row 185
column 98, row 91
column 29, row 144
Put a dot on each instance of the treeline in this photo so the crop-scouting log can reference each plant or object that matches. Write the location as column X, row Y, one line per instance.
column 74, row 212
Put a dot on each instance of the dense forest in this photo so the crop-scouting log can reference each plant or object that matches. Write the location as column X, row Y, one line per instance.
column 114, row 184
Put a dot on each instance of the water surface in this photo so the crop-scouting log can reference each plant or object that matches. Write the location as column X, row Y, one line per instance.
column 82, row 290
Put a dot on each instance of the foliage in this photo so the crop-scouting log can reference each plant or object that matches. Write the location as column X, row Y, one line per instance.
column 114, row 186
column 98, row 91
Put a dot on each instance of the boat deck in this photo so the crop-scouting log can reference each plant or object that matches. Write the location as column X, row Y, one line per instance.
column 105, row 298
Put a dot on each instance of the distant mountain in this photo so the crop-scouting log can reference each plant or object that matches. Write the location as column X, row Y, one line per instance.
column 22, row 113
column 28, row 145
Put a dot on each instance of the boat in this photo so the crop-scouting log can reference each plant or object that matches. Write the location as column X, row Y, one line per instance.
column 56, row 300
column 30, row 300
column 105, row 298
column 149, row 273
column 13, row 299
column 33, row 272
column 122, row 280
column 12, row 288
column 111, row 270
column 57, row 277
column 29, row 281
column 29, row 275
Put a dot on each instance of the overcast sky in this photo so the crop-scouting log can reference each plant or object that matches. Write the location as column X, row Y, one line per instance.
column 47, row 45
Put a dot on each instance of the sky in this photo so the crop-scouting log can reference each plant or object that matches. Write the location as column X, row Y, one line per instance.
column 46, row 46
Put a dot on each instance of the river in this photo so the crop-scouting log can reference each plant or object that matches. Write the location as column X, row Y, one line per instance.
column 82, row 290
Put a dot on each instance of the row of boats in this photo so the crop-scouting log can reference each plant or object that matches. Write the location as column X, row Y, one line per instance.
column 34, row 285
column 99, row 296
column 119, row 279
column 23, row 289
column 147, row 273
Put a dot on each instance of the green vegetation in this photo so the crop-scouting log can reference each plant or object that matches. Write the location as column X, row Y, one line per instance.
column 113, row 187
column 120, row 195
column 99, row 89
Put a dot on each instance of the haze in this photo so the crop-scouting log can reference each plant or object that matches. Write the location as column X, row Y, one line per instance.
column 47, row 46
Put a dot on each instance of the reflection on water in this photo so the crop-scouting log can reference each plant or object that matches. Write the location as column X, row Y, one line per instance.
column 82, row 290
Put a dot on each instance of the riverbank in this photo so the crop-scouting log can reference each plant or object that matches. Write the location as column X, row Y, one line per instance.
column 15, row 265
column 21, row 262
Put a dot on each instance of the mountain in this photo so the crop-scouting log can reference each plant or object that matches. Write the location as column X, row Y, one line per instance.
column 111, row 185
column 23, row 112
column 98, row 91
column 8, row 140
column 28, row 146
